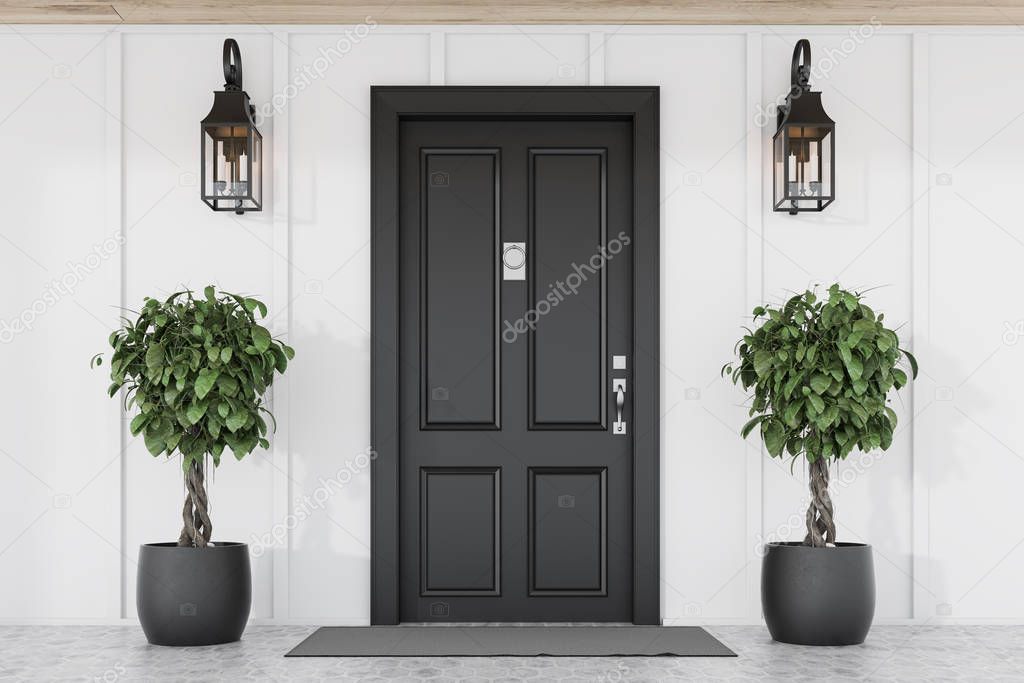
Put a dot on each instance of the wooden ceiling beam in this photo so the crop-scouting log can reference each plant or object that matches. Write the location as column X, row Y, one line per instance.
column 616, row 12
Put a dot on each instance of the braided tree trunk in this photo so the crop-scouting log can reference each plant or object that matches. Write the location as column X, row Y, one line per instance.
column 197, row 529
column 821, row 528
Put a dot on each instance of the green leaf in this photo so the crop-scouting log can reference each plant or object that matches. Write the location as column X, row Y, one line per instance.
column 138, row 423
column 891, row 414
column 211, row 294
column 225, row 354
column 791, row 413
column 844, row 352
column 223, row 409
column 250, row 304
column 196, row 411
column 280, row 360
column 204, row 383
column 774, row 438
column 820, row 382
column 855, row 367
column 812, row 351
column 172, row 442
column 154, row 356
column 260, row 338
column 912, row 361
column 154, row 444
column 228, row 385
column 865, row 327
column 762, row 363
column 750, row 425
column 236, row 421
column 899, row 377
column 787, row 390
column 817, row 402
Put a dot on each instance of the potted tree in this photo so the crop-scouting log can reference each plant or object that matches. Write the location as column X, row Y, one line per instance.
column 195, row 370
column 820, row 373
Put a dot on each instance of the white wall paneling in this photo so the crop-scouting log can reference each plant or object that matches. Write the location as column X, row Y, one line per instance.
column 973, row 317
column 98, row 127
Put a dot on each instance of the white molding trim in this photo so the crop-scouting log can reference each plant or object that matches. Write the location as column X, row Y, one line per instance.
column 438, row 57
column 754, row 297
column 595, row 57
column 115, row 223
column 923, row 603
column 282, row 324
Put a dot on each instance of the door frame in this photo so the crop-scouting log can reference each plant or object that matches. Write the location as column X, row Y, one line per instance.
column 389, row 105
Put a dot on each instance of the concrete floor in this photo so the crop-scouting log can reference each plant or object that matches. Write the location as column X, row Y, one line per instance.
column 120, row 653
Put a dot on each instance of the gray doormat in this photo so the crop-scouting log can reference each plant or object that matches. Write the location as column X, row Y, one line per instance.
column 511, row 641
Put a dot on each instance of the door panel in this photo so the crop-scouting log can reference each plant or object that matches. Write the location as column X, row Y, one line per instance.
column 567, row 344
column 460, row 230
column 460, row 539
column 516, row 495
column 568, row 531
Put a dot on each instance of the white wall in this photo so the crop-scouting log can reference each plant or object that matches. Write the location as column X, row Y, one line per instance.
column 98, row 129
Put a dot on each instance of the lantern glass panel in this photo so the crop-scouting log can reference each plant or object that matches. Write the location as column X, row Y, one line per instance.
column 232, row 156
column 808, row 166
column 780, row 166
column 256, row 169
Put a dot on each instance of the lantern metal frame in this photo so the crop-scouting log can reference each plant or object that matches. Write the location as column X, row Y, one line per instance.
column 802, row 110
column 231, row 108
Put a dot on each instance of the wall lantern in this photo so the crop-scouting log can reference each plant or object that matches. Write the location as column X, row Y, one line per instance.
column 232, row 148
column 805, row 170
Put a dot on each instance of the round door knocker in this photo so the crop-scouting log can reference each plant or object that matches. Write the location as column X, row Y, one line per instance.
column 514, row 257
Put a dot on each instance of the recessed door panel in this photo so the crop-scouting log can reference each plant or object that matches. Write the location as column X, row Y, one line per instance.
column 568, row 228
column 568, row 531
column 459, row 233
column 461, row 528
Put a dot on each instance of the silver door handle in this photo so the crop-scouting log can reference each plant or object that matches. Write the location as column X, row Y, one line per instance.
column 619, row 387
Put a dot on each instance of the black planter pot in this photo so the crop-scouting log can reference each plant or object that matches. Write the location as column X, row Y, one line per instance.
column 193, row 596
column 818, row 596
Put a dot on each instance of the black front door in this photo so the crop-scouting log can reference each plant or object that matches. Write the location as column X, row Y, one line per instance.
column 515, row 414
column 516, row 473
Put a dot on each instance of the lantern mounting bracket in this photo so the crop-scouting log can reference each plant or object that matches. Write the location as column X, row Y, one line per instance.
column 799, row 76
column 232, row 65
column 800, row 73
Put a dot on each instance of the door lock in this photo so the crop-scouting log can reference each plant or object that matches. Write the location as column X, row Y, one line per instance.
column 619, row 387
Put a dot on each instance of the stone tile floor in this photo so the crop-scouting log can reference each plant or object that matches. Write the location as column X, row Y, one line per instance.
column 120, row 653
